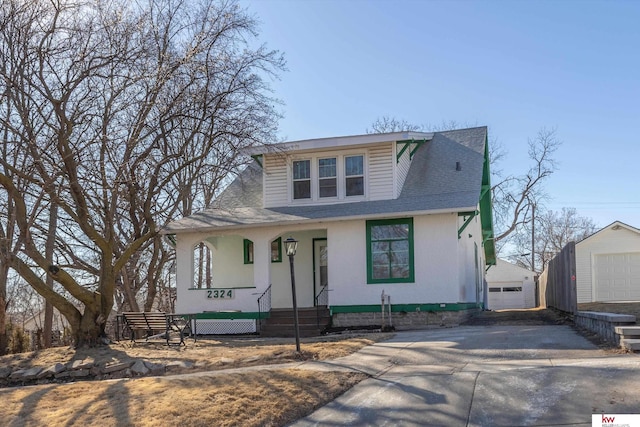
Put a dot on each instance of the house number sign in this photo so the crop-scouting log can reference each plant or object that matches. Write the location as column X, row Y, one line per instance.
column 220, row 294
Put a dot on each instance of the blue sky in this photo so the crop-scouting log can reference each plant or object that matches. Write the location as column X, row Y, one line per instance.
column 514, row 66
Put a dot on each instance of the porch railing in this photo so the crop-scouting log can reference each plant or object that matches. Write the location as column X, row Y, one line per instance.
column 264, row 306
column 321, row 300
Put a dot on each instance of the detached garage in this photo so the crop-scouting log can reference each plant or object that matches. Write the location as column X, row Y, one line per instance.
column 510, row 286
column 608, row 265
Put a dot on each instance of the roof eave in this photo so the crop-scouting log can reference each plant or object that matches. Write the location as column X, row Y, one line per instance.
column 303, row 221
column 335, row 142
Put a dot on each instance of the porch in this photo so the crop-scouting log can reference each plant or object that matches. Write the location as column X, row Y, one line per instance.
column 241, row 283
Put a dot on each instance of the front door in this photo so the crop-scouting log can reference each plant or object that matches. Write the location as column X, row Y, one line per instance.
column 320, row 269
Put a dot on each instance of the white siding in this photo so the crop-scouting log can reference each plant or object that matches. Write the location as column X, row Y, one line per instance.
column 435, row 258
column 466, row 260
column 402, row 170
column 607, row 241
column 275, row 180
column 380, row 177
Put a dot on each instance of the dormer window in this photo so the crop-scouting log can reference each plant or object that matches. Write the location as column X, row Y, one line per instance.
column 302, row 179
column 327, row 178
column 354, row 175
column 318, row 178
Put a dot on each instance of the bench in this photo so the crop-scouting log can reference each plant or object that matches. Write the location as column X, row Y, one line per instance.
column 157, row 324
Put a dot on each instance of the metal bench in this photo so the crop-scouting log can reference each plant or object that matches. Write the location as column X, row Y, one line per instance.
column 157, row 324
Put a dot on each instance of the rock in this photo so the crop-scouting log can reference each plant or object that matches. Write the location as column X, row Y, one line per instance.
column 5, row 372
column 63, row 375
column 139, row 368
column 80, row 373
column 155, row 368
column 226, row 360
column 117, row 366
column 179, row 364
column 16, row 375
column 125, row 373
column 52, row 370
column 25, row 374
column 252, row 359
column 82, row 364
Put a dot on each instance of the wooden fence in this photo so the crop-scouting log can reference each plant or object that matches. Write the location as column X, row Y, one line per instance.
column 557, row 283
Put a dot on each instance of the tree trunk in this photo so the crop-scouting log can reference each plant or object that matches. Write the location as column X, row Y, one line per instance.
column 51, row 240
column 4, row 273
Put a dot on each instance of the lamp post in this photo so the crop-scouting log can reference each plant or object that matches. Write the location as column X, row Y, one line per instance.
column 291, row 245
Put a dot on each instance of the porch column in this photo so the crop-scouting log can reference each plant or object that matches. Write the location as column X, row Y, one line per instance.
column 184, row 271
column 261, row 263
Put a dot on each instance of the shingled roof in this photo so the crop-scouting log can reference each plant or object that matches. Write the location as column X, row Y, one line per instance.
column 433, row 185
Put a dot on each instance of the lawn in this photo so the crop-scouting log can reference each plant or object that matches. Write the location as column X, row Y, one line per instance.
column 270, row 397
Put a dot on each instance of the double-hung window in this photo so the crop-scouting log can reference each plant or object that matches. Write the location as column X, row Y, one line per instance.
column 354, row 175
column 301, row 179
column 390, row 251
column 327, row 178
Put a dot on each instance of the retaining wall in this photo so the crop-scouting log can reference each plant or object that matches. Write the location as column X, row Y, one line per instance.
column 403, row 320
column 604, row 324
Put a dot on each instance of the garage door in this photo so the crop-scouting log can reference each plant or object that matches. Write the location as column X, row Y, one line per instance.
column 617, row 277
column 502, row 297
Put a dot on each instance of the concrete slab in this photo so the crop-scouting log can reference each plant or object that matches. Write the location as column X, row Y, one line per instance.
column 438, row 400
column 485, row 376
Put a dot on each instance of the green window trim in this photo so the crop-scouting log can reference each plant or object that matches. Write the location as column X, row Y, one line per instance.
column 410, row 276
column 248, row 251
column 276, row 246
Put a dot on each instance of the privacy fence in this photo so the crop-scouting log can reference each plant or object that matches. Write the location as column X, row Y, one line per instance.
column 557, row 283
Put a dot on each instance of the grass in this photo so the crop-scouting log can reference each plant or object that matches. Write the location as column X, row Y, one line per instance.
column 255, row 398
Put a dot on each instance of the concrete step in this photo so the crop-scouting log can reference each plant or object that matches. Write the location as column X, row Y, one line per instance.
column 630, row 344
column 628, row 331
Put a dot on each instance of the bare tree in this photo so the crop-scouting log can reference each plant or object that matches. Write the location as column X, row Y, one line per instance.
column 553, row 230
column 386, row 124
column 514, row 196
column 123, row 111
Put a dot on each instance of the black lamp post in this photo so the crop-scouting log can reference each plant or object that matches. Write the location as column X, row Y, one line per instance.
column 291, row 245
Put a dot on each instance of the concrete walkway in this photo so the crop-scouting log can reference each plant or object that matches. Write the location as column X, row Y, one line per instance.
column 482, row 376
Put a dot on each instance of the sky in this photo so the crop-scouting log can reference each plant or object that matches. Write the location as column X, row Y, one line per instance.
column 514, row 66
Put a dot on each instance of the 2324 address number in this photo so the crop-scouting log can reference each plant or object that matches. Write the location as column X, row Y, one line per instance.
column 220, row 293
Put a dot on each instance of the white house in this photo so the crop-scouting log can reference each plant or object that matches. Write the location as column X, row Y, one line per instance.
column 510, row 286
column 408, row 213
column 608, row 265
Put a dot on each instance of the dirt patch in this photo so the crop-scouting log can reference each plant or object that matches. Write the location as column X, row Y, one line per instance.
column 632, row 308
column 533, row 316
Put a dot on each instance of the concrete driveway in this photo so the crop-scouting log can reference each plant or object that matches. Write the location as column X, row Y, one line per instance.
column 484, row 376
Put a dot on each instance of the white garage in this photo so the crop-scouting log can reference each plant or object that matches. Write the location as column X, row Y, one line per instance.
column 608, row 265
column 510, row 287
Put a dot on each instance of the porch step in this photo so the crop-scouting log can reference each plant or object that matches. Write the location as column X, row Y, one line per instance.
column 281, row 322
column 630, row 344
column 628, row 331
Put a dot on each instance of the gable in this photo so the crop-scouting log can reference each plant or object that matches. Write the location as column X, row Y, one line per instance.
column 616, row 237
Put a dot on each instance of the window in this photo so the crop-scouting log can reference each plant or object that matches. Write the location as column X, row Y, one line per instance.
column 302, row 179
column 327, row 177
column 248, row 251
column 354, row 175
column 390, row 251
column 276, row 250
